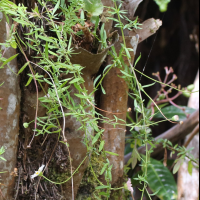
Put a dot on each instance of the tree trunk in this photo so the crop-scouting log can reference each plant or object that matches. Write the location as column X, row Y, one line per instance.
column 9, row 115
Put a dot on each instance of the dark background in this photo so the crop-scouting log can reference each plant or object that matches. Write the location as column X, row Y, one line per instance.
column 171, row 46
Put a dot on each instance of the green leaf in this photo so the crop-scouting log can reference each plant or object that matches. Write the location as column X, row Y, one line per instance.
column 45, row 38
column 170, row 111
column 111, row 153
column 104, row 168
column 161, row 180
column 81, row 96
column 101, row 145
column 104, row 194
column 137, row 60
column 101, row 187
column 126, row 74
column 2, row 150
column 96, row 79
column 8, row 60
column 56, row 7
column 3, row 158
column 29, row 81
column 96, row 138
column 190, row 167
column 22, row 69
column 13, row 44
column 178, row 165
column 103, row 90
column 162, row 4
column 46, row 50
column 94, row 7
column 145, row 86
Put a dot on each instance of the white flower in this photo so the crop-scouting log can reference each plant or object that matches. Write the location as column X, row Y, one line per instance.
column 129, row 186
column 37, row 173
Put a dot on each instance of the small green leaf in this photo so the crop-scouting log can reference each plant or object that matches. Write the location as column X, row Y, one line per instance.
column 104, row 168
column 22, row 69
column 178, row 165
column 103, row 90
column 45, row 38
column 13, row 44
column 137, row 60
column 101, row 187
column 104, row 194
column 96, row 79
column 81, row 96
column 2, row 150
column 190, row 167
column 126, row 74
column 29, row 81
column 3, row 158
column 145, row 86
column 101, row 146
column 56, row 7
column 96, row 138
column 8, row 60
column 46, row 50
column 111, row 153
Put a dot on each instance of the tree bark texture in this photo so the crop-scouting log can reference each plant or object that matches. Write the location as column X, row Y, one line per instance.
column 115, row 101
column 9, row 115
column 185, row 180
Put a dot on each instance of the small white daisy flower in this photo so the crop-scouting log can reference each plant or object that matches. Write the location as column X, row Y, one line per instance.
column 38, row 173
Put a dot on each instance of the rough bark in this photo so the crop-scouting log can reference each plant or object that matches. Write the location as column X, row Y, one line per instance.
column 9, row 116
column 115, row 101
column 185, row 180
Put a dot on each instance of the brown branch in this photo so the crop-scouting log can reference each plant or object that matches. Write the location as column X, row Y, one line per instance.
column 191, row 136
column 148, row 28
column 174, row 134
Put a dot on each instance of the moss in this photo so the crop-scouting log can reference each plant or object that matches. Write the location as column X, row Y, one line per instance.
column 58, row 176
column 89, row 182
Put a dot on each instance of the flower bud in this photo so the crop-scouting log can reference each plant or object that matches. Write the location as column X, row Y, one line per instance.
column 175, row 118
column 161, row 97
column 186, row 93
column 190, row 87
column 26, row 125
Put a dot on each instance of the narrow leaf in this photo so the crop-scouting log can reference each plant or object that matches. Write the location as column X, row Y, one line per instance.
column 190, row 167
column 96, row 138
column 101, row 187
column 111, row 153
column 46, row 50
column 56, row 7
column 22, row 69
column 29, row 81
column 101, row 146
column 9, row 59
